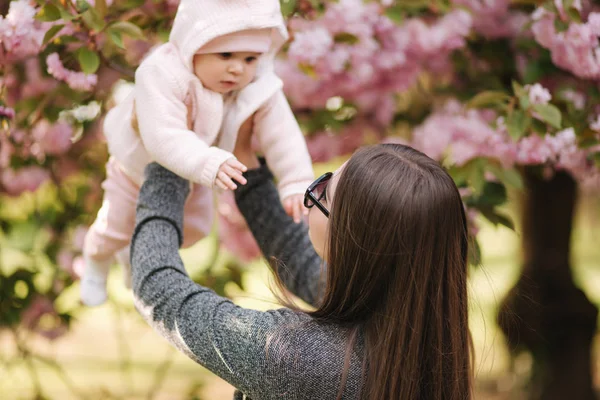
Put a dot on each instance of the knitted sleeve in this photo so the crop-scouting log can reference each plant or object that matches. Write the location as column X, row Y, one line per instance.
column 266, row 355
column 282, row 241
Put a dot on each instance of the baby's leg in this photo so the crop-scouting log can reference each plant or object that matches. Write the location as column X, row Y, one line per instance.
column 110, row 232
column 197, row 221
column 198, row 215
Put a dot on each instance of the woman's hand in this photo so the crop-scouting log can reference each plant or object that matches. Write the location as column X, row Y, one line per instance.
column 243, row 145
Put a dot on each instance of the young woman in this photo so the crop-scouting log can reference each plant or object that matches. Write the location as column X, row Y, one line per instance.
column 383, row 262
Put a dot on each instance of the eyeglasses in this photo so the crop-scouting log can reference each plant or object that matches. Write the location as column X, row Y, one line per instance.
column 316, row 192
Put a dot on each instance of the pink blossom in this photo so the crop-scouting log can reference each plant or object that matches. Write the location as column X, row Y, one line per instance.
column 7, row 112
column 53, row 139
column 65, row 261
column 40, row 307
column 538, row 94
column 577, row 98
column 372, row 55
column 65, row 167
column 323, row 146
column 595, row 123
column 493, row 18
column 36, row 84
column 473, row 226
column 6, row 151
column 75, row 80
column 20, row 34
column 577, row 49
column 310, row 45
column 26, row 179
column 461, row 136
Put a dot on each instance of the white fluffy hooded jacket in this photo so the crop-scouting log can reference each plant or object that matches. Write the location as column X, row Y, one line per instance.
column 172, row 119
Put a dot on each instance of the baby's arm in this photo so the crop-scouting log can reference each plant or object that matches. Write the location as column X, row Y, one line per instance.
column 284, row 147
column 162, row 119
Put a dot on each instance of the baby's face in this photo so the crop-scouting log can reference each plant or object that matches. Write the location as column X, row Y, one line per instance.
column 226, row 72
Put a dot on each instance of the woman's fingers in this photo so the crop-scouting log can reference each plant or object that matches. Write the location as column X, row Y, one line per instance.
column 297, row 212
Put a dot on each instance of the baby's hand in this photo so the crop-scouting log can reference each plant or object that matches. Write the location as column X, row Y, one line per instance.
column 229, row 170
column 294, row 206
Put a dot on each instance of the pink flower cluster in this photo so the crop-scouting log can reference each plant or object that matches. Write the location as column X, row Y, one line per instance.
column 43, row 307
column 21, row 35
column 356, row 52
column 461, row 135
column 323, row 146
column 7, row 112
column 494, row 19
column 53, row 139
column 577, row 49
column 25, row 179
column 75, row 80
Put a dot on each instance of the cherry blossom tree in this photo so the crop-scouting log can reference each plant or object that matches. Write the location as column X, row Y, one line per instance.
column 503, row 93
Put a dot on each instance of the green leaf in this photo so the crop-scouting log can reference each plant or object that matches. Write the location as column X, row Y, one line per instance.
column 549, row 114
column 488, row 99
column 414, row 5
column 573, row 13
column 493, row 194
column 476, row 177
column 395, row 13
column 116, row 38
column 82, row 6
column 51, row 33
column 539, row 126
column 65, row 14
column 521, row 94
column 533, row 72
column 517, row 123
column 129, row 4
column 497, row 218
column 101, row 8
column 88, row 60
column 511, row 176
column 307, row 69
column 345, row 37
column 49, row 13
column 93, row 20
column 517, row 88
column 127, row 28
column 288, row 7
column 560, row 25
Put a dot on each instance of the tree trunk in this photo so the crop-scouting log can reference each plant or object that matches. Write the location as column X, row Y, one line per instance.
column 545, row 313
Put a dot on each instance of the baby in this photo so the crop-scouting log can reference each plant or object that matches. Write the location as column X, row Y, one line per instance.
column 191, row 96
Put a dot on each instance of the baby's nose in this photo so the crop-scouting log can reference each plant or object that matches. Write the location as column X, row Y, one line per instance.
column 236, row 67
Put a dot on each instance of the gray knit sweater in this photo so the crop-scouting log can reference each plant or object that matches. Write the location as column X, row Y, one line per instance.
column 277, row 354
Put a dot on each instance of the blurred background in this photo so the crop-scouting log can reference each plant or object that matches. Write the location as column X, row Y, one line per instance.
column 504, row 93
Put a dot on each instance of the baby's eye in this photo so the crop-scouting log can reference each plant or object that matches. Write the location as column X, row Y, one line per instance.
column 250, row 59
column 225, row 56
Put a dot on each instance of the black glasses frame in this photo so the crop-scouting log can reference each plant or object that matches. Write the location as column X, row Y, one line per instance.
column 310, row 199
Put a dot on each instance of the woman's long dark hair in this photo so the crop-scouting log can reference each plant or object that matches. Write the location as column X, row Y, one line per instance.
column 397, row 272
